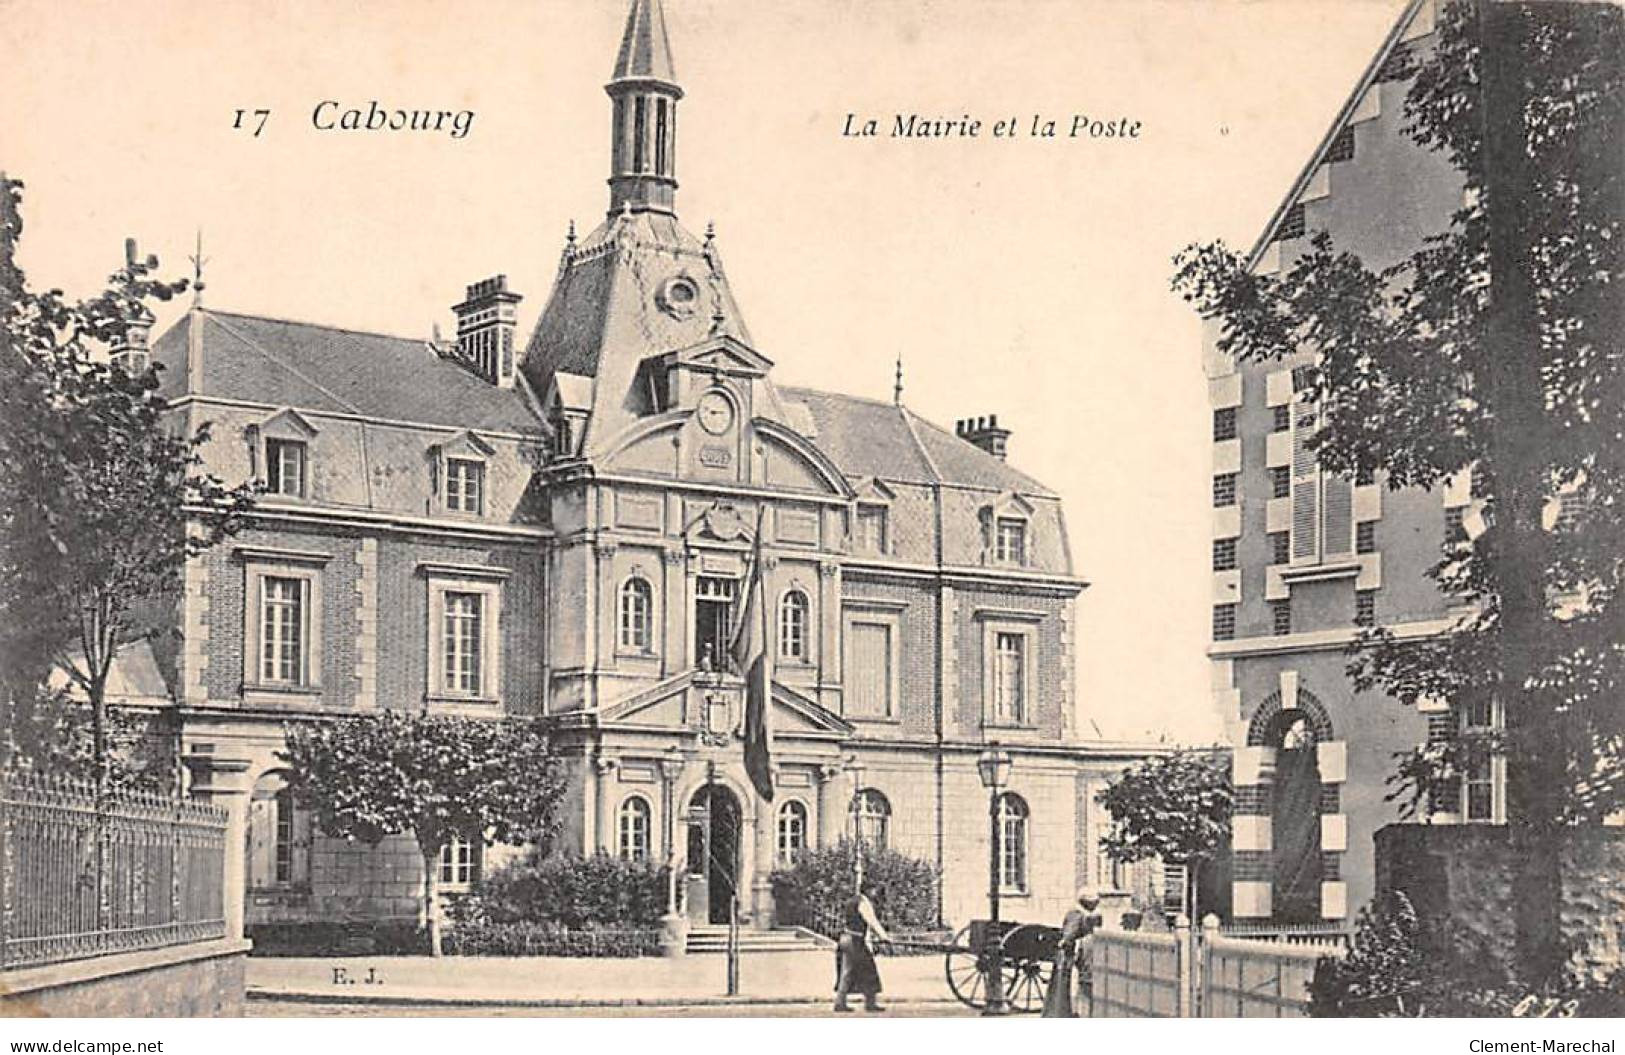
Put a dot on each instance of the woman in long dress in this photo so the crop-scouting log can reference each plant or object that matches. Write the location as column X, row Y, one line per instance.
column 855, row 970
column 1071, row 953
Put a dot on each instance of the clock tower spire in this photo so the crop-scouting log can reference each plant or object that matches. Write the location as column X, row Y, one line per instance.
column 643, row 92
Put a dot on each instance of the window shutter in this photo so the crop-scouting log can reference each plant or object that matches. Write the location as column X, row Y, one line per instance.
column 1337, row 495
column 1305, row 487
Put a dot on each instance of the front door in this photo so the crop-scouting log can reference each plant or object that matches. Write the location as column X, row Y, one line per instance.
column 713, row 854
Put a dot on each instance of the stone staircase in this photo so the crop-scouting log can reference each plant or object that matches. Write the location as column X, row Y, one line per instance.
column 713, row 938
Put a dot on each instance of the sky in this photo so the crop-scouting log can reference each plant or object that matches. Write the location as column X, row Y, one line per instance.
column 1021, row 276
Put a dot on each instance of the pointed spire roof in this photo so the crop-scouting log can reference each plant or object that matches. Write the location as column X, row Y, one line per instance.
column 645, row 49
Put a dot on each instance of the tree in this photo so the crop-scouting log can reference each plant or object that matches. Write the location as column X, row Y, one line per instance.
column 1494, row 350
column 431, row 776
column 102, row 500
column 1174, row 808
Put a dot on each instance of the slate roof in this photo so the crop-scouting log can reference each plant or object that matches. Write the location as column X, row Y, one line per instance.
column 645, row 48
column 323, row 368
column 866, row 437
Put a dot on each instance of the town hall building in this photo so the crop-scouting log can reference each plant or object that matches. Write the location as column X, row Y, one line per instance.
column 560, row 527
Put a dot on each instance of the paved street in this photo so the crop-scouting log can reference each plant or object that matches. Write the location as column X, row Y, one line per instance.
column 300, row 1009
column 914, row 985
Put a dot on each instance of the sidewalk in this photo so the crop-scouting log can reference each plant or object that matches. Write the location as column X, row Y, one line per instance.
column 542, row 981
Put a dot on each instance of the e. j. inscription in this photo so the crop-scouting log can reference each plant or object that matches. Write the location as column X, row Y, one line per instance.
column 965, row 126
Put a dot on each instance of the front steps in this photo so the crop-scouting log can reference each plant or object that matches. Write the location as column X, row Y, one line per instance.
column 713, row 938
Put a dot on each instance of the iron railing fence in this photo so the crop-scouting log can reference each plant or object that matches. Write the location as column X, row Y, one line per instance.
column 83, row 874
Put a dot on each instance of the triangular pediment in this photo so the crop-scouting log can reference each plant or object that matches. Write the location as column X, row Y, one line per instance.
column 678, row 703
column 723, row 353
column 872, row 489
column 1010, row 504
column 287, row 424
column 466, row 444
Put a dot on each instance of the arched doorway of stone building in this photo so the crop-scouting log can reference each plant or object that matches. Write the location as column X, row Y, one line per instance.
column 713, row 820
column 1295, row 802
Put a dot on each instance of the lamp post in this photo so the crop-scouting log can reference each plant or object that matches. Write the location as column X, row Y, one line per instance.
column 855, row 767
column 993, row 765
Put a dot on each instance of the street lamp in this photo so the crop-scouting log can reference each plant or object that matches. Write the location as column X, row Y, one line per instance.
column 993, row 765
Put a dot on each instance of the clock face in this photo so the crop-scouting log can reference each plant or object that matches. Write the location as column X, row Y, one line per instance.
column 715, row 413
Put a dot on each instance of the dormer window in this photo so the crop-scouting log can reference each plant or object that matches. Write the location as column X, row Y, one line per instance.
column 1010, row 541
column 465, row 485
column 458, row 473
column 285, row 468
column 871, row 529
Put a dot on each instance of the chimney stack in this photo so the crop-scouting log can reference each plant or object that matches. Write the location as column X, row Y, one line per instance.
column 486, row 321
column 984, row 433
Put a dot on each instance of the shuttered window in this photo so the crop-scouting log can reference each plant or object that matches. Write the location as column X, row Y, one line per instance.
column 868, row 669
column 1322, row 502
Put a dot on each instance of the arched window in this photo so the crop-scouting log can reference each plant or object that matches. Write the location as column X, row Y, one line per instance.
column 637, row 606
column 793, row 612
column 1012, row 842
column 633, row 827
column 792, row 831
column 871, row 817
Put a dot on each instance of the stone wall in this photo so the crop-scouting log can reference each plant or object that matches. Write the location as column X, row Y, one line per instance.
column 183, row 981
column 1463, row 874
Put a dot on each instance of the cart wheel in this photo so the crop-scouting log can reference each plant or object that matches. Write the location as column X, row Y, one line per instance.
column 965, row 972
column 1026, row 984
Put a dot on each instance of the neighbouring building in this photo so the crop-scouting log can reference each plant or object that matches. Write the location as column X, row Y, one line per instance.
column 1302, row 558
column 560, row 527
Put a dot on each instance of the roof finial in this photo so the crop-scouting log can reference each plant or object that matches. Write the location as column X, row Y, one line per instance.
column 897, row 387
column 710, row 232
column 198, row 260
column 570, row 238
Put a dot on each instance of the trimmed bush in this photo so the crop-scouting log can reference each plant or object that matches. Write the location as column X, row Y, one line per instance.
column 814, row 892
column 569, row 892
column 384, row 937
column 485, row 938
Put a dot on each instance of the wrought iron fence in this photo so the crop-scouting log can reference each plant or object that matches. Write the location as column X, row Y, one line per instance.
column 87, row 875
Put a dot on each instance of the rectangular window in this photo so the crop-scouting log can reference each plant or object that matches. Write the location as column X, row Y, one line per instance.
column 1011, row 541
column 1173, row 889
column 871, row 525
column 1224, row 554
column 1224, row 622
column 1224, row 490
column 285, row 468
column 1365, row 536
column 660, row 137
column 713, row 618
column 869, row 669
column 284, row 836
column 282, row 631
column 1280, row 481
column 1009, row 677
column 640, row 121
column 1364, row 477
column 465, row 485
column 1281, row 419
column 1281, row 617
column 1224, row 424
column 1280, row 547
column 459, row 863
column 463, row 642
column 1481, row 790
column 1365, row 607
